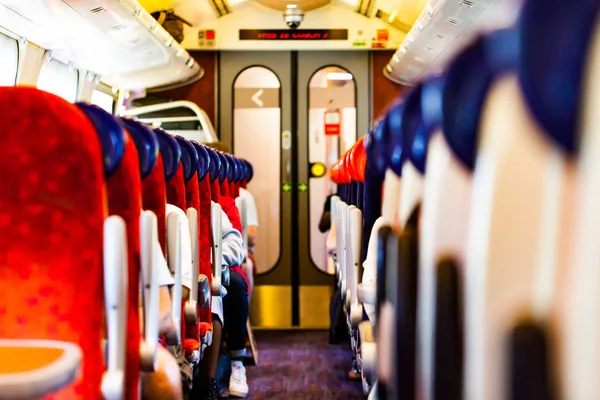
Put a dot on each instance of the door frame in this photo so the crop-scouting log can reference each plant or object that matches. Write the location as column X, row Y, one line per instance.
column 295, row 293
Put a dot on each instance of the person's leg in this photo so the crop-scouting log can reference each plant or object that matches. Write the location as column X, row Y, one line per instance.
column 208, row 365
column 235, row 306
column 235, row 309
column 205, row 385
column 248, row 268
column 165, row 382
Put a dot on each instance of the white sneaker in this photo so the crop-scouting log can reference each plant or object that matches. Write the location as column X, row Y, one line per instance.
column 238, row 387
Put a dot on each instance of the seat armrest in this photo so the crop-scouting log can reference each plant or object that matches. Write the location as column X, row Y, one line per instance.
column 174, row 261
column 190, row 308
column 44, row 366
column 367, row 293
column 150, row 290
column 115, row 300
column 368, row 350
column 356, row 315
column 217, row 253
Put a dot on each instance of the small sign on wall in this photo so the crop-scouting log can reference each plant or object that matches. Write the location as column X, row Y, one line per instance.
column 332, row 123
column 206, row 38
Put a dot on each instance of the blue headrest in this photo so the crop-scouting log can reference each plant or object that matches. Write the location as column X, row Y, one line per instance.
column 189, row 156
column 375, row 149
column 463, row 91
column 414, row 135
column 224, row 170
column 232, row 168
column 245, row 170
column 170, row 151
column 393, row 142
column 502, row 50
column 215, row 164
column 110, row 134
column 248, row 171
column 203, row 160
column 237, row 169
column 431, row 103
column 146, row 143
column 555, row 40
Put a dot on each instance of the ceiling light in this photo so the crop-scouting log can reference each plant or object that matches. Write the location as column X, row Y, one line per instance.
column 339, row 76
column 290, row 6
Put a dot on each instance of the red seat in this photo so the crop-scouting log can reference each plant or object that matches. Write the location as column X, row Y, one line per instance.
column 204, row 232
column 124, row 193
column 192, row 338
column 52, row 211
column 175, row 188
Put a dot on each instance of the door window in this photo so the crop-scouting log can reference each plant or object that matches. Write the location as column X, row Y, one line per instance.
column 257, row 133
column 332, row 130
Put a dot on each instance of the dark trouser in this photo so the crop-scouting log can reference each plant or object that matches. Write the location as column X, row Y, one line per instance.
column 235, row 310
column 187, row 375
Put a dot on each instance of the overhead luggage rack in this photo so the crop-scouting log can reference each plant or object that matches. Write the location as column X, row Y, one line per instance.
column 443, row 29
column 116, row 40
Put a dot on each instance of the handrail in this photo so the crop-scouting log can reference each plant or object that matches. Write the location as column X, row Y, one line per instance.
column 203, row 118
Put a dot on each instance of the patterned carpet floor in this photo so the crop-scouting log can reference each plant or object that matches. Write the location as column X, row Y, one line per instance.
column 301, row 365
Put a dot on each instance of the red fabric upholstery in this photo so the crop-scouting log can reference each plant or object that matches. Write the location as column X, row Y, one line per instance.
column 52, row 210
column 124, row 191
column 154, row 198
column 192, row 198
column 176, row 189
column 189, row 346
column 192, row 195
column 357, row 161
column 229, row 207
column 225, row 187
column 204, row 249
column 215, row 190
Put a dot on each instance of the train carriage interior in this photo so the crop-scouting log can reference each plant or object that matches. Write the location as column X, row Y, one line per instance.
column 299, row 199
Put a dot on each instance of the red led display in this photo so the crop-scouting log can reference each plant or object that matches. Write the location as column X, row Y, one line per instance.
column 293, row 34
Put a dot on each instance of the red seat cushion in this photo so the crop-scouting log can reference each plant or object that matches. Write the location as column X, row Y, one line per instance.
column 192, row 198
column 204, row 247
column 154, row 198
column 51, row 229
column 215, row 190
column 176, row 189
column 229, row 207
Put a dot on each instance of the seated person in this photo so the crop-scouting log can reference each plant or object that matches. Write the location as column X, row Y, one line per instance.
column 205, row 385
column 236, row 308
column 249, row 266
column 325, row 222
column 236, row 303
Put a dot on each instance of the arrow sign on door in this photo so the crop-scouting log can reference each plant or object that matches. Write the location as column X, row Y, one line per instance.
column 256, row 98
